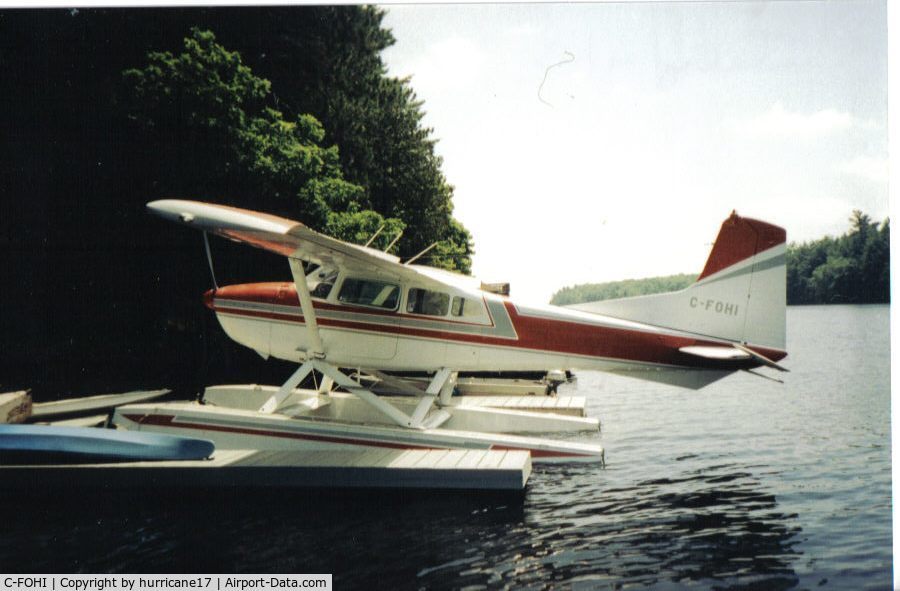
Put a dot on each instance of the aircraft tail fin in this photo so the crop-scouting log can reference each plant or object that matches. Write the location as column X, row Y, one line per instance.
column 739, row 296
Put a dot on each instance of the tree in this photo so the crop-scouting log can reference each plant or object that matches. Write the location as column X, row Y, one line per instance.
column 860, row 226
column 875, row 263
column 853, row 268
column 455, row 252
column 594, row 292
column 211, row 113
column 97, row 287
column 834, row 282
column 335, row 73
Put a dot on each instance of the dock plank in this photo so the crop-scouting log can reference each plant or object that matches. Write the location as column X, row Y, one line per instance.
column 385, row 460
column 372, row 457
column 231, row 469
column 514, row 459
column 451, row 459
column 491, row 459
column 331, row 458
column 89, row 404
column 470, row 459
column 15, row 407
column 429, row 460
column 408, row 458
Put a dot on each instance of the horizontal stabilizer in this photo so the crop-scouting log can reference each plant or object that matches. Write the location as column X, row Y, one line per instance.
column 761, row 358
column 736, row 352
column 716, row 352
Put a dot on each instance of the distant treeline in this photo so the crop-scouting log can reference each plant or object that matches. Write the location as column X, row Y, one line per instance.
column 594, row 292
column 853, row 268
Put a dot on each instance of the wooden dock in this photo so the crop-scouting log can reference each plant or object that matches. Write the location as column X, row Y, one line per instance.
column 44, row 411
column 484, row 470
column 15, row 407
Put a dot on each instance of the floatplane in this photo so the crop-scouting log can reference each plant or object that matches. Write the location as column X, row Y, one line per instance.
column 353, row 306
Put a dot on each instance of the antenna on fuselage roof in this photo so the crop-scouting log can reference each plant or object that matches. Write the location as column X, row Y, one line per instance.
column 393, row 242
column 375, row 235
column 432, row 245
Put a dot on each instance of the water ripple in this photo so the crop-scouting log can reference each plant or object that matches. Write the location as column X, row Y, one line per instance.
column 742, row 485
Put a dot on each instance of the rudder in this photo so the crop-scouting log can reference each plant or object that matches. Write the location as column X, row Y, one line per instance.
column 739, row 296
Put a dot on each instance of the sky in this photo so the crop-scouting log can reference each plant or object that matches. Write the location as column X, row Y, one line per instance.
column 598, row 142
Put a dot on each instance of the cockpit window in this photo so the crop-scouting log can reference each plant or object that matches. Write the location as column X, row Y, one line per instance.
column 465, row 307
column 430, row 303
column 367, row 292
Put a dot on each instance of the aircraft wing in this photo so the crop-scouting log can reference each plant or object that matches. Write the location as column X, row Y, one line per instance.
column 275, row 234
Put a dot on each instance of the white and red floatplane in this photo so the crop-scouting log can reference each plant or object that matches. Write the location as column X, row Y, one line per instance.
column 350, row 306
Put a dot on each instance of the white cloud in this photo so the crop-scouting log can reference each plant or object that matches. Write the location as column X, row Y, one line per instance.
column 809, row 217
column 867, row 167
column 520, row 30
column 626, row 160
column 447, row 64
column 780, row 123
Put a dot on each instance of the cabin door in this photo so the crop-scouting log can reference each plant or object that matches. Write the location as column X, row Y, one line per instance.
column 362, row 328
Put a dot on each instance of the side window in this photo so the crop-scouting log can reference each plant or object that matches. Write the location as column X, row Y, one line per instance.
column 466, row 308
column 321, row 282
column 366, row 292
column 430, row 303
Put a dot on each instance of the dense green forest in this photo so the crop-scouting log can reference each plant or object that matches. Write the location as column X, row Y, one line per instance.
column 853, row 268
column 288, row 110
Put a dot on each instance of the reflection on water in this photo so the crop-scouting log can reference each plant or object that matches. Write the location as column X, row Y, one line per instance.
column 270, row 531
column 708, row 526
column 745, row 484
column 711, row 526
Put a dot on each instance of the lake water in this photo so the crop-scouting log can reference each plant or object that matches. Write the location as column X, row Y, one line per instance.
column 746, row 484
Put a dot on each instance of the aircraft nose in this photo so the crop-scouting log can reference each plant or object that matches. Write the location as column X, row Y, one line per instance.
column 208, row 298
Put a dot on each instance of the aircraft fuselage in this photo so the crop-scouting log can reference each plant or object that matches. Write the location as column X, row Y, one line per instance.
column 267, row 317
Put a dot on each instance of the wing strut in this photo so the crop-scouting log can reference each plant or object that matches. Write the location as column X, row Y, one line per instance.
column 316, row 348
column 209, row 259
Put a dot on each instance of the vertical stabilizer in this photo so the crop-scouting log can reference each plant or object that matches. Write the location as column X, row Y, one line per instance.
column 739, row 296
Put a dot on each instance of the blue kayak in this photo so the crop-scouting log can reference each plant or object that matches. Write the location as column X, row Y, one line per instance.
column 39, row 444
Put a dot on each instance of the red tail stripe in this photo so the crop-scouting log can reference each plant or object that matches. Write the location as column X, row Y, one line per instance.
column 739, row 239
